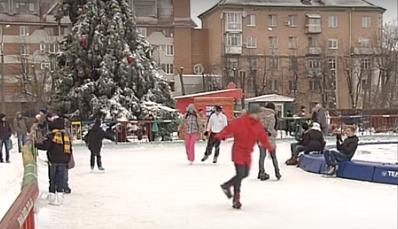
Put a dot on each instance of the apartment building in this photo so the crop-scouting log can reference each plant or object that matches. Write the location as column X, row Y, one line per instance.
column 29, row 37
column 177, row 46
column 313, row 50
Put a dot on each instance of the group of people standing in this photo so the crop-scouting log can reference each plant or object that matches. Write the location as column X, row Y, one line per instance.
column 19, row 128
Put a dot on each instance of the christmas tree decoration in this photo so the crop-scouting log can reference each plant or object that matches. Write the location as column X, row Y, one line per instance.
column 105, row 65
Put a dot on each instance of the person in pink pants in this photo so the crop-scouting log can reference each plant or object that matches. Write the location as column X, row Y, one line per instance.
column 190, row 130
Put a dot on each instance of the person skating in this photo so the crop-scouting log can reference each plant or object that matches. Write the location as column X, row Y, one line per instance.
column 59, row 150
column 269, row 123
column 246, row 131
column 345, row 149
column 21, row 130
column 94, row 139
column 217, row 122
column 189, row 130
column 5, row 134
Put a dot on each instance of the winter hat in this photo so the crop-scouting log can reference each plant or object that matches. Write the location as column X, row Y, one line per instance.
column 58, row 123
column 316, row 126
column 270, row 105
column 44, row 110
column 191, row 108
column 255, row 109
column 305, row 126
column 218, row 108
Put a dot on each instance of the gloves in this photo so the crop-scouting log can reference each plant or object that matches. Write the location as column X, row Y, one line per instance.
column 206, row 133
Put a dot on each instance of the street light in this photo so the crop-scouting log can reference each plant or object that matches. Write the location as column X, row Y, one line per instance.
column 3, row 105
column 182, row 81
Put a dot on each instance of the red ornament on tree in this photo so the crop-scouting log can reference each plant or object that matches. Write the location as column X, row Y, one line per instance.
column 130, row 59
column 84, row 41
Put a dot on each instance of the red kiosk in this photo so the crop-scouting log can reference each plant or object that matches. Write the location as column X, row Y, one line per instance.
column 207, row 100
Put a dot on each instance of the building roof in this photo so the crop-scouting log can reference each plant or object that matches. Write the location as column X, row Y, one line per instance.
column 295, row 3
column 203, row 94
column 270, row 98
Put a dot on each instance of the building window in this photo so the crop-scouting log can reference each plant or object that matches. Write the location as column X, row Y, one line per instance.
column 4, row 7
column 44, row 66
column 314, row 23
column 251, row 42
column 332, row 21
column 292, row 20
column 234, row 39
column 332, row 63
column 142, row 31
column 292, row 85
column 365, row 64
column 145, row 8
column 292, row 43
column 380, row 21
column 169, row 50
column 24, row 50
column 366, row 22
column 332, row 43
column 312, row 42
column 52, row 47
column 234, row 21
column 168, row 68
column 273, row 85
column 273, row 62
column 43, row 47
column 232, row 63
column 272, row 42
column 251, row 20
column 364, row 42
column 314, row 64
column 252, row 63
column 314, row 85
column 292, row 63
column 23, row 30
column 272, row 20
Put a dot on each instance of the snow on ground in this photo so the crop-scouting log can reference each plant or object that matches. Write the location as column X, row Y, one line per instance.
column 10, row 179
column 150, row 186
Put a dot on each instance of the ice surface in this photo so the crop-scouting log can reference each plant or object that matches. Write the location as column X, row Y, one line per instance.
column 10, row 179
column 152, row 186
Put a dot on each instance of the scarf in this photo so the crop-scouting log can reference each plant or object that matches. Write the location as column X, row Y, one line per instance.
column 61, row 138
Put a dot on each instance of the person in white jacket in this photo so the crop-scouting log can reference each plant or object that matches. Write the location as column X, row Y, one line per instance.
column 217, row 122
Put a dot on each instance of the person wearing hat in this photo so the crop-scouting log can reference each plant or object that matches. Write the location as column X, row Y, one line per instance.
column 246, row 131
column 94, row 139
column 5, row 134
column 268, row 120
column 217, row 122
column 189, row 130
column 345, row 149
column 59, row 152
column 21, row 130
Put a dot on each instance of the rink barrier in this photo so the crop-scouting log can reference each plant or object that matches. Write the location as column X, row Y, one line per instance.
column 378, row 172
column 21, row 214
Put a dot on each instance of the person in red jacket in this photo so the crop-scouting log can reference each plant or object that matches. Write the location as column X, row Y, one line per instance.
column 246, row 131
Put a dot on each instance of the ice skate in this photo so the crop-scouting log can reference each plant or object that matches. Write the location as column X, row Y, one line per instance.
column 226, row 190
column 67, row 190
column 262, row 175
column 215, row 160
column 101, row 169
column 51, row 198
column 205, row 158
column 331, row 170
column 59, row 198
column 278, row 174
column 236, row 204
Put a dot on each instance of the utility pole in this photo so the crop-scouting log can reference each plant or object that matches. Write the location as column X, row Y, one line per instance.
column 182, row 81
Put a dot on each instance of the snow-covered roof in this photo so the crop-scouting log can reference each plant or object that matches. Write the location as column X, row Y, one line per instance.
column 270, row 98
column 295, row 3
column 205, row 93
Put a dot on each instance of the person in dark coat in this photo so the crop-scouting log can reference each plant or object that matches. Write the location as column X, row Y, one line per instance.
column 59, row 150
column 314, row 140
column 5, row 134
column 345, row 149
column 21, row 129
column 94, row 139
column 297, row 147
column 319, row 116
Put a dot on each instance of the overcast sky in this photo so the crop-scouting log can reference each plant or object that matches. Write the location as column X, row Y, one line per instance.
column 199, row 6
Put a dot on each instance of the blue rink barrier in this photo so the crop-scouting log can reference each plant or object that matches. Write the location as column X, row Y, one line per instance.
column 378, row 172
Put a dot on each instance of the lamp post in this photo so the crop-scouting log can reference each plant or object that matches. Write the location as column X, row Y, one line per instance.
column 242, row 86
column 3, row 105
column 182, row 80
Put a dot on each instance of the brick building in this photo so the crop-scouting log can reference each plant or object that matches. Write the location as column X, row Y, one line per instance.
column 29, row 36
column 305, row 49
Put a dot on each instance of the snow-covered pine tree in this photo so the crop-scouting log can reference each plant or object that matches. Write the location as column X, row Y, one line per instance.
column 105, row 65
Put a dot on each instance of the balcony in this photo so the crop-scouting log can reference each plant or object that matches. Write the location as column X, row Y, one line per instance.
column 314, row 50
column 313, row 28
column 233, row 50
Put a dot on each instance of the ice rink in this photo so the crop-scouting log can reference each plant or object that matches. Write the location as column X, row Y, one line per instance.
column 152, row 186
